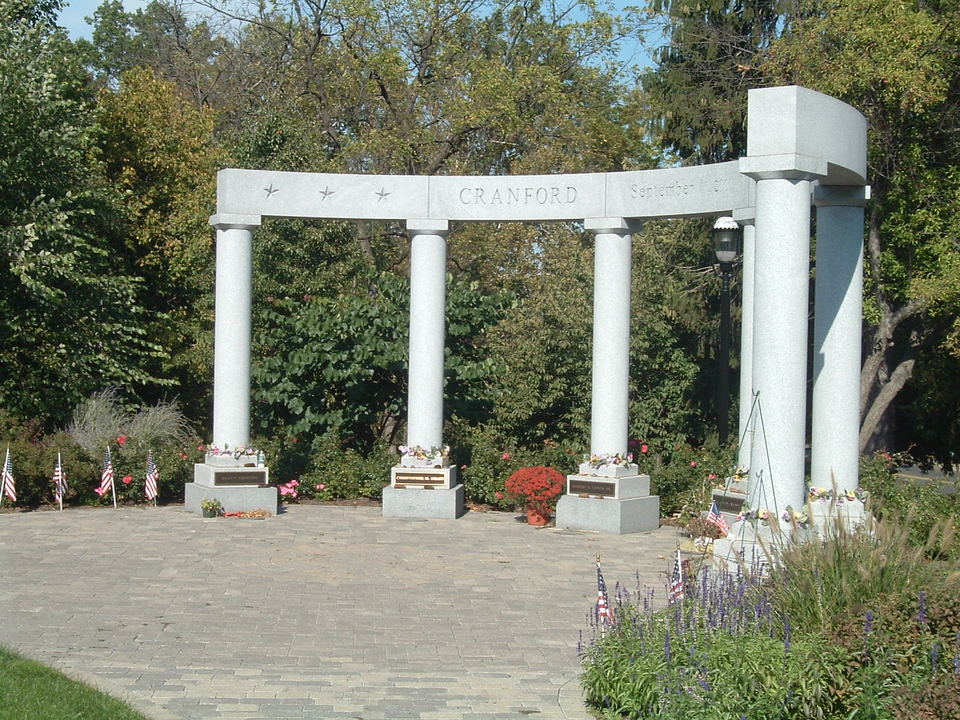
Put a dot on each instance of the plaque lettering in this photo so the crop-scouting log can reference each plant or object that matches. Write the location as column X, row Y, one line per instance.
column 593, row 487
column 239, row 478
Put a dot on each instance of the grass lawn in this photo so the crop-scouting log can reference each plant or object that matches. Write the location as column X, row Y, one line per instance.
column 29, row 691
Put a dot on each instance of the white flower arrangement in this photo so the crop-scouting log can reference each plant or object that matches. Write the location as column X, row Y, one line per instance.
column 827, row 494
column 607, row 460
column 419, row 456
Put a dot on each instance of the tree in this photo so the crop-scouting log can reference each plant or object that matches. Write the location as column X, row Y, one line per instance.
column 158, row 154
column 696, row 93
column 71, row 323
column 897, row 63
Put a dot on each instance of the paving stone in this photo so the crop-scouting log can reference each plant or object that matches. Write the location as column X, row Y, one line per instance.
column 319, row 613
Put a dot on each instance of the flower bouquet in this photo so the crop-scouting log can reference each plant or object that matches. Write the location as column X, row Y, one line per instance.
column 419, row 456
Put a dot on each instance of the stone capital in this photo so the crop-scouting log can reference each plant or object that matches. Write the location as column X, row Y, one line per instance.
column 841, row 195
column 428, row 226
column 614, row 225
column 789, row 166
column 233, row 221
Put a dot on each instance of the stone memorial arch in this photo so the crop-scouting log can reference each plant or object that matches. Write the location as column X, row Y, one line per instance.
column 803, row 149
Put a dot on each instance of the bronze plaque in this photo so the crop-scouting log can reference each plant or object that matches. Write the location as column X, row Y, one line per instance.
column 418, row 478
column 593, row 487
column 240, row 478
column 729, row 503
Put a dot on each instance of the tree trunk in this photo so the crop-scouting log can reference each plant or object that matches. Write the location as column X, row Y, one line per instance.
column 881, row 403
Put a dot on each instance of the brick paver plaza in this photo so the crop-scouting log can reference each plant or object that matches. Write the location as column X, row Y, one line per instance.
column 320, row 612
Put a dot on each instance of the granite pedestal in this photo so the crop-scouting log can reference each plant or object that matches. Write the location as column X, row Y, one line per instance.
column 238, row 488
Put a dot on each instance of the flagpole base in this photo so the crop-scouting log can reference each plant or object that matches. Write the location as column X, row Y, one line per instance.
column 609, row 515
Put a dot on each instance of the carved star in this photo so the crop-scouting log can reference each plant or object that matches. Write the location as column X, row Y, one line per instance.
column 326, row 192
column 271, row 190
column 382, row 194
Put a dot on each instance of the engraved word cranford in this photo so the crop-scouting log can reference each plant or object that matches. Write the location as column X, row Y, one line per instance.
column 520, row 195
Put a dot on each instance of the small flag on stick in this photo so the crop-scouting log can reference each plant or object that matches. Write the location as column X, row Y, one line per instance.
column 150, row 487
column 604, row 613
column 106, row 479
column 59, row 482
column 715, row 517
column 676, row 581
column 9, row 486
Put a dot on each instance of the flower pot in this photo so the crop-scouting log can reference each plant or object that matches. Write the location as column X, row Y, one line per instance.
column 208, row 513
column 538, row 516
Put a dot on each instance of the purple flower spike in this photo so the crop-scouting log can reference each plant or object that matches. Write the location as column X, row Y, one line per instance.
column 786, row 636
column 934, row 658
column 666, row 645
column 868, row 623
column 922, row 614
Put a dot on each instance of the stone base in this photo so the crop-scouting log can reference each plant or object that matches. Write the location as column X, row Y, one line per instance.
column 230, row 475
column 618, row 517
column 423, row 503
column 730, row 503
column 618, row 488
column 233, row 499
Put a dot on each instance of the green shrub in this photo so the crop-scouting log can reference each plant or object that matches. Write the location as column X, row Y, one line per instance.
column 486, row 460
column 341, row 472
column 682, row 475
column 860, row 625
column 914, row 505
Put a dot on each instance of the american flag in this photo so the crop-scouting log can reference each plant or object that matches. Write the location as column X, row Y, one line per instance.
column 715, row 517
column 9, row 486
column 152, row 476
column 676, row 581
column 604, row 613
column 59, row 482
column 106, row 480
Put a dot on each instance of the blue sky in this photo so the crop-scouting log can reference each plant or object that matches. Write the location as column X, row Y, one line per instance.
column 75, row 10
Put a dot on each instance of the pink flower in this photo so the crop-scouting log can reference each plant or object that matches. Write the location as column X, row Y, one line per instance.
column 201, row 447
column 499, row 495
column 505, row 456
column 127, row 479
column 712, row 476
column 294, row 483
column 122, row 440
column 321, row 486
column 693, row 463
column 463, row 467
column 644, row 448
column 183, row 455
column 99, row 491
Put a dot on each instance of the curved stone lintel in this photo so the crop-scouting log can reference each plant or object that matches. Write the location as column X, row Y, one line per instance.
column 841, row 195
column 668, row 192
column 227, row 221
column 793, row 120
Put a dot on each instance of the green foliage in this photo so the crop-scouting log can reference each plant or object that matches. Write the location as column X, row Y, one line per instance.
column 338, row 364
column 710, row 57
column 858, row 626
column 31, row 690
column 34, row 456
column 158, row 151
column 342, row 472
column 72, row 321
column 100, row 422
column 917, row 505
column 683, row 475
column 486, row 460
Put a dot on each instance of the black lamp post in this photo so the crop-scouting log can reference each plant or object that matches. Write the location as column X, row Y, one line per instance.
column 726, row 245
